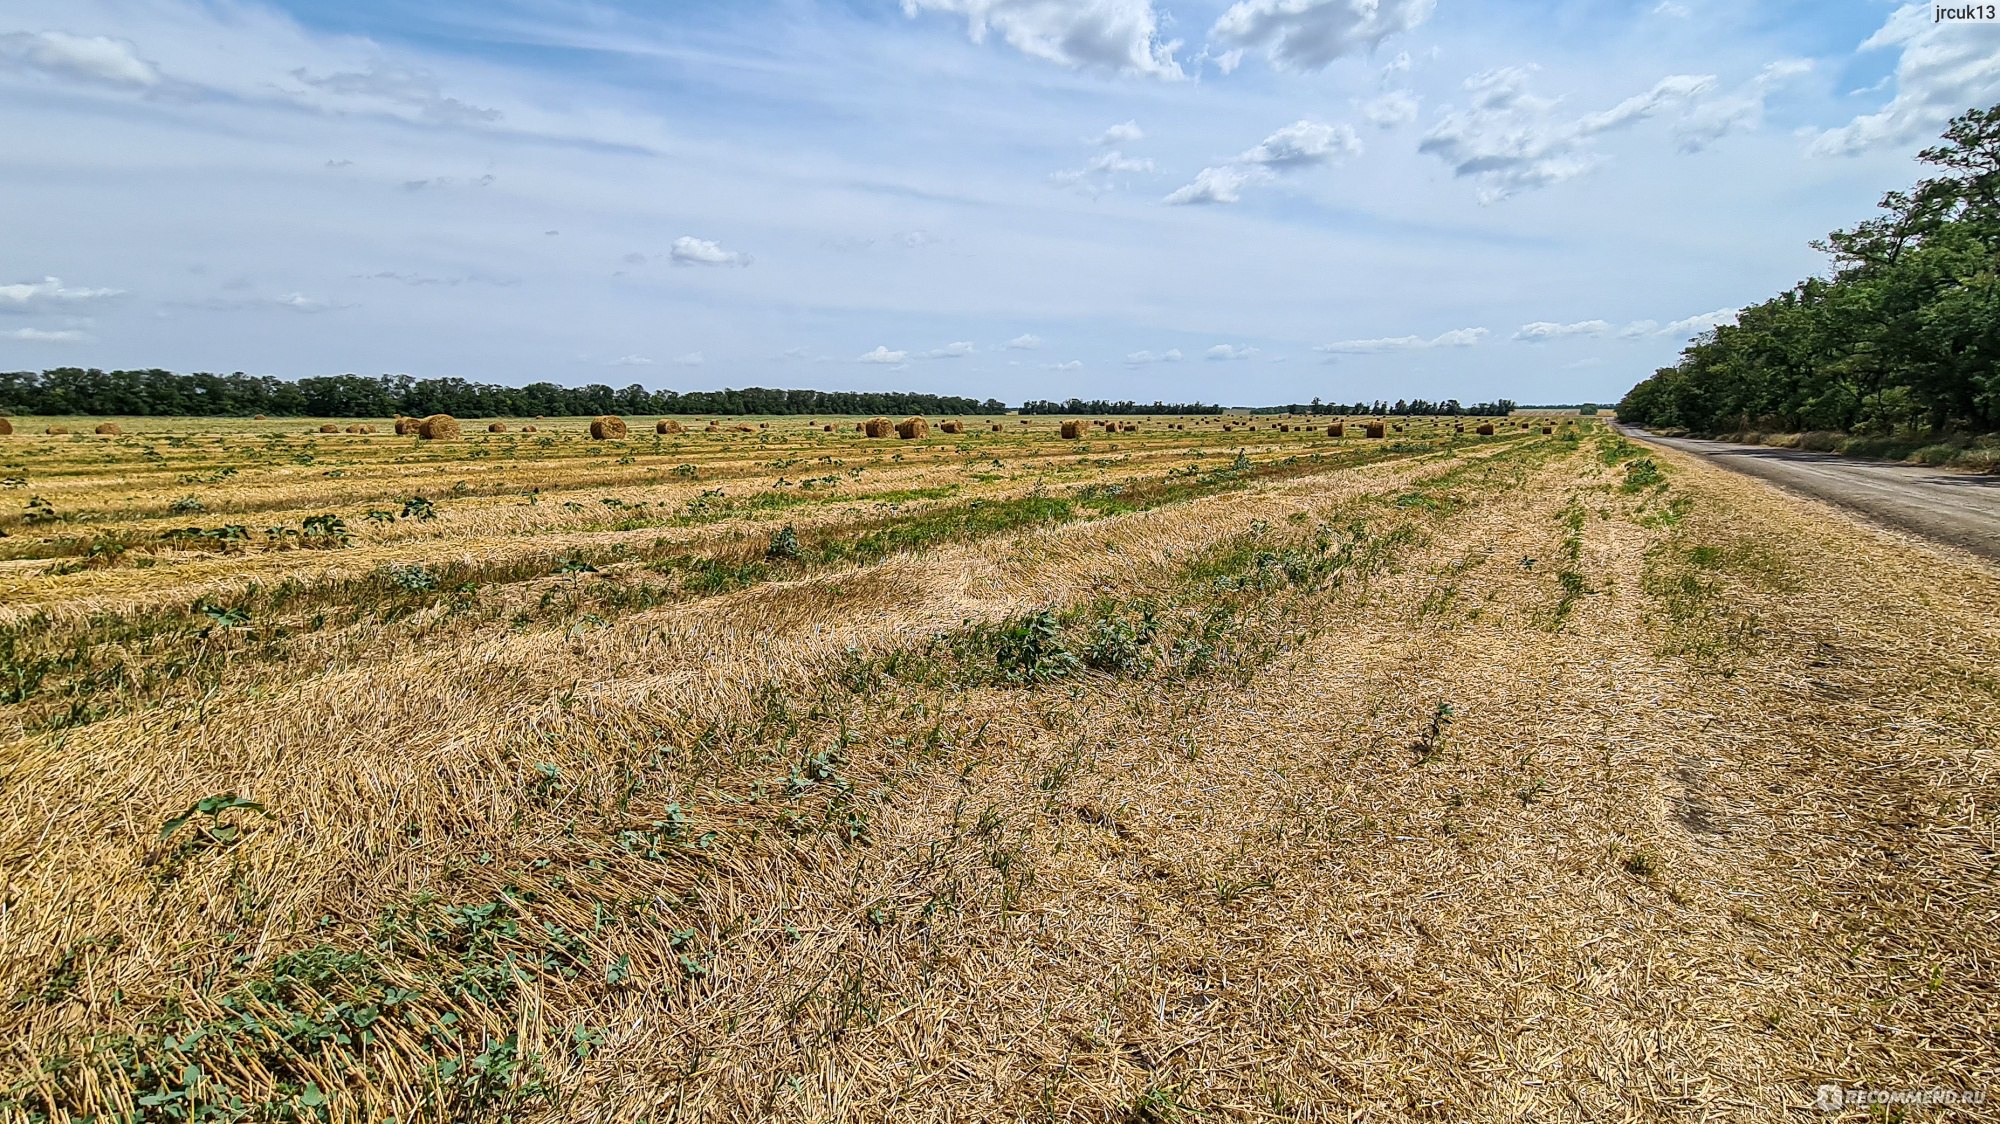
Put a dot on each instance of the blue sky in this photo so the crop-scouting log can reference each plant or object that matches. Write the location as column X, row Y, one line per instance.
column 1255, row 201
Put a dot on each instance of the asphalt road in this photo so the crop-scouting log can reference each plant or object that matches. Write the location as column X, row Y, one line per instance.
column 1949, row 507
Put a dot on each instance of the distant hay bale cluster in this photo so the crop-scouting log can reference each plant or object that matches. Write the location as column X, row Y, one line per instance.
column 608, row 427
column 438, row 427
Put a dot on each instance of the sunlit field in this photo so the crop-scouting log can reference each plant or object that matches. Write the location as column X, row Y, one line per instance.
column 1190, row 768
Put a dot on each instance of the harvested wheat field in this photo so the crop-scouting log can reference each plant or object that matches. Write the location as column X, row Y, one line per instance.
column 796, row 775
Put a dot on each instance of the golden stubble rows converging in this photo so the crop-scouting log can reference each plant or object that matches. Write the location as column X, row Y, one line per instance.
column 1246, row 767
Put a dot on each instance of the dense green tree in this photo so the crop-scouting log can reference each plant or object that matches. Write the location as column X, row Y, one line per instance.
column 1902, row 336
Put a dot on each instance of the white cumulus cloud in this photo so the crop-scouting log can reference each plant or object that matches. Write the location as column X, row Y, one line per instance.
column 882, row 354
column 1543, row 330
column 1944, row 68
column 691, row 359
column 1457, row 337
column 1025, row 342
column 1222, row 184
column 1224, row 351
column 1114, row 35
column 92, row 58
column 1309, row 34
column 1740, row 111
column 1141, row 358
column 40, row 335
column 1125, row 133
column 1509, row 140
column 26, row 295
column 701, row 251
column 1700, row 322
column 631, row 361
column 1303, row 144
column 1386, row 111
column 958, row 350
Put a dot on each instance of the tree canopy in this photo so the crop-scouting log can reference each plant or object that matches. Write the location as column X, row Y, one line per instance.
column 1904, row 334
column 74, row 390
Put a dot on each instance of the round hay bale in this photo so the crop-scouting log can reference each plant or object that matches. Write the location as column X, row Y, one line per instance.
column 996, row 427
column 6, row 427
column 860, row 427
column 1485, row 430
column 763, row 425
column 1072, row 430
column 258, row 417
column 406, row 426
column 952, row 427
column 1336, row 430
column 497, row 427
column 56, row 430
column 359, row 429
column 108, row 429
column 913, row 427
column 669, row 426
column 878, row 427
column 742, row 429
column 608, row 427
column 438, row 427
column 1377, row 429
column 826, row 429
column 329, row 428
column 1130, row 427
column 1546, row 430
column 529, row 428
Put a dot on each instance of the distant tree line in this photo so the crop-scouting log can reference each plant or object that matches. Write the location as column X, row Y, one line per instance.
column 1105, row 406
column 1904, row 336
column 1417, row 407
column 74, row 390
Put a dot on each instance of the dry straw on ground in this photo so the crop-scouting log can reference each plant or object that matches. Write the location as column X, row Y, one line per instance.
column 1706, row 822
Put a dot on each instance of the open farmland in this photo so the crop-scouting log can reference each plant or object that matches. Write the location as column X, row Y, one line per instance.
column 785, row 773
